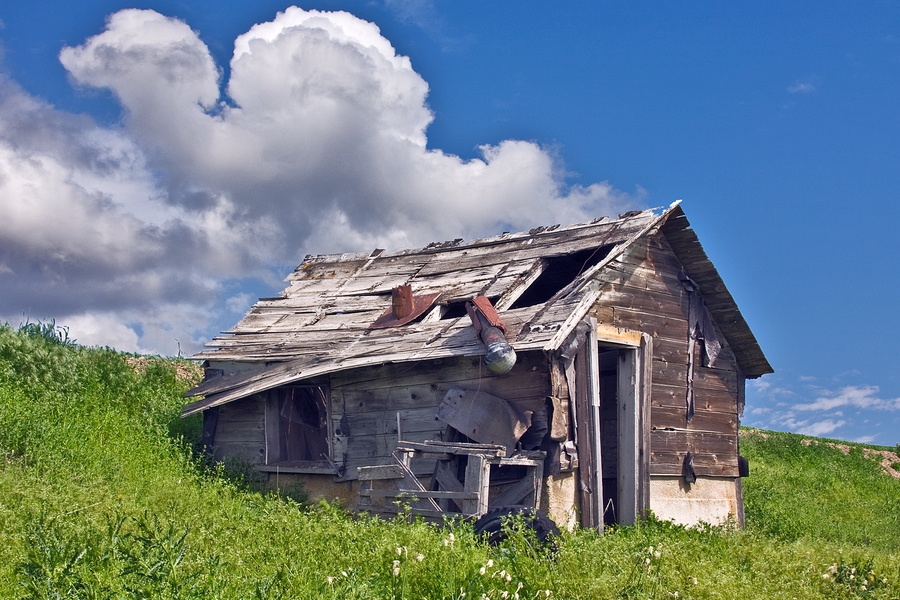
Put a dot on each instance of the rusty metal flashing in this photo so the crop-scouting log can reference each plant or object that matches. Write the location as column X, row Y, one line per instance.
column 405, row 308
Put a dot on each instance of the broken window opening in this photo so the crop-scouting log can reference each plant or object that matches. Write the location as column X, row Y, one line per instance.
column 559, row 272
column 300, row 426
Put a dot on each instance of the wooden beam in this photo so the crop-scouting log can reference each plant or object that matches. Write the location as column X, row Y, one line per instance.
column 610, row 334
column 478, row 472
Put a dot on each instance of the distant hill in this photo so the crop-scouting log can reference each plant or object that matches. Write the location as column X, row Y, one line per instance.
column 104, row 494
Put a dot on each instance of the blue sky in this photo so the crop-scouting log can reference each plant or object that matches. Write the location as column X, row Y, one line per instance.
column 153, row 184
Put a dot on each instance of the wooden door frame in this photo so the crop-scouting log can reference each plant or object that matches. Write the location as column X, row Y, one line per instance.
column 633, row 406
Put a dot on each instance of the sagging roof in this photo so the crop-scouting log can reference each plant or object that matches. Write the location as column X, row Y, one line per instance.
column 322, row 322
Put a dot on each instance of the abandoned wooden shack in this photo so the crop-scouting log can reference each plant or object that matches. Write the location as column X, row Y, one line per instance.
column 620, row 389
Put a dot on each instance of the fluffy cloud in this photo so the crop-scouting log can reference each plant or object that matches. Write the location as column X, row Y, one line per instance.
column 817, row 428
column 858, row 396
column 317, row 142
column 802, row 87
column 845, row 411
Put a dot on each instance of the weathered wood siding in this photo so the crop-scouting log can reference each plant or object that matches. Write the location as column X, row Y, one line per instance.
column 646, row 295
column 240, row 430
column 366, row 401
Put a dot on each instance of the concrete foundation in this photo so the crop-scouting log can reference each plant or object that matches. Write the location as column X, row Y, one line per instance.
column 559, row 499
column 708, row 500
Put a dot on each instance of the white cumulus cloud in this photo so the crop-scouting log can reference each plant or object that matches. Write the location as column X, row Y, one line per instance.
column 818, row 428
column 858, row 396
column 316, row 143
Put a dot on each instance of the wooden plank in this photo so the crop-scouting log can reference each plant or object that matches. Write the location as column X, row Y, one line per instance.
column 272, row 438
column 617, row 335
column 523, row 281
column 416, row 420
column 463, row 447
column 529, row 373
column 630, row 436
column 446, row 478
column 455, row 448
column 704, row 400
column 241, row 450
column 478, row 473
column 645, row 300
column 377, row 472
column 521, row 492
column 720, row 444
column 590, row 496
column 423, row 397
column 244, row 436
column 709, row 465
column 657, row 325
column 714, row 380
column 410, row 483
column 664, row 417
column 644, row 398
column 434, row 495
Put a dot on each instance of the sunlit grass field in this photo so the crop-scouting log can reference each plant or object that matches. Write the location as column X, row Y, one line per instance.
column 102, row 495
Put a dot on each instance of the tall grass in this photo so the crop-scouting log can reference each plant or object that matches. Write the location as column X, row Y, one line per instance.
column 103, row 496
column 802, row 488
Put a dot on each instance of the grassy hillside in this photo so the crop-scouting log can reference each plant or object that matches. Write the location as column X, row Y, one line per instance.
column 101, row 496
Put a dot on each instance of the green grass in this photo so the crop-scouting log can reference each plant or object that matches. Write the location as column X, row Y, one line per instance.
column 804, row 488
column 103, row 496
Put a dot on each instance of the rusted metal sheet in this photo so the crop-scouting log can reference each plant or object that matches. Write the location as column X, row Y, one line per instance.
column 405, row 308
column 484, row 418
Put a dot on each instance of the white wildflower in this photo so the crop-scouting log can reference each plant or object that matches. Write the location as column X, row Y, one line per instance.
column 481, row 571
column 504, row 595
column 399, row 551
column 490, row 563
column 695, row 580
column 508, row 578
column 420, row 557
column 329, row 580
column 826, row 575
column 656, row 554
column 344, row 573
